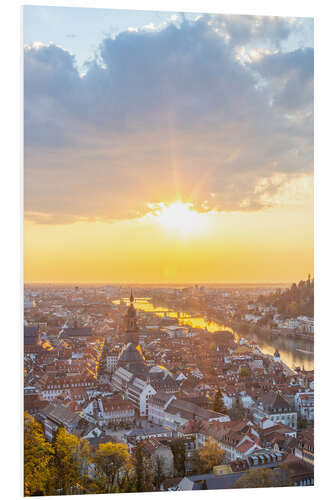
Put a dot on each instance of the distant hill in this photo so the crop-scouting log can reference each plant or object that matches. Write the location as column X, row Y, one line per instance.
column 298, row 300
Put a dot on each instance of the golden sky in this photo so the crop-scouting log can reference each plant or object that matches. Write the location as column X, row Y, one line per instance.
column 182, row 152
column 275, row 245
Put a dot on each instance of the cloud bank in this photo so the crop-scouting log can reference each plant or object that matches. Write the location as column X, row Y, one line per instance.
column 167, row 114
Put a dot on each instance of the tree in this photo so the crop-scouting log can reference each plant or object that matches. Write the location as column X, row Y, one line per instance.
column 178, row 450
column 143, row 467
column 264, row 478
column 127, row 483
column 39, row 469
column 260, row 478
column 292, row 309
column 72, row 459
column 158, row 466
column 244, row 372
column 295, row 301
column 112, row 462
column 218, row 402
column 139, row 468
column 302, row 423
column 207, row 457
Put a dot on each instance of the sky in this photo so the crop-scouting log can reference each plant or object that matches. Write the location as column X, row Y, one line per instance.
column 167, row 147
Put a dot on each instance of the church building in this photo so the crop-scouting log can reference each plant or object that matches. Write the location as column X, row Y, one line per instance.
column 133, row 378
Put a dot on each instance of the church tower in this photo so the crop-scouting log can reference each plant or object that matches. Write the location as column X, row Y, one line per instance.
column 131, row 326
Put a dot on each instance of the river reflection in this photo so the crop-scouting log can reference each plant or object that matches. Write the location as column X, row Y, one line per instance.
column 184, row 319
column 293, row 352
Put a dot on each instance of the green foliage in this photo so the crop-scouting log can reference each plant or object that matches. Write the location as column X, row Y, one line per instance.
column 112, row 463
column 244, row 372
column 207, row 457
column 178, row 450
column 143, row 467
column 264, row 478
column 298, row 300
column 139, row 468
column 39, row 468
column 61, row 467
column 158, row 468
column 260, row 478
column 72, row 459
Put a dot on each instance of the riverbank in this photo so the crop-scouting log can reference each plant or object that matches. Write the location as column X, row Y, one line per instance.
column 293, row 352
column 287, row 370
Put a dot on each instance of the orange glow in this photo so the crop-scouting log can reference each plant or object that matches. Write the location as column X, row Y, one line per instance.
column 46, row 345
column 184, row 319
column 175, row 244
column 181, row 218
column 139, row 349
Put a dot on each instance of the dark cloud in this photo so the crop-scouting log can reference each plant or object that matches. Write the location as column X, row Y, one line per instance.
column 161, row 115
column 291, row 78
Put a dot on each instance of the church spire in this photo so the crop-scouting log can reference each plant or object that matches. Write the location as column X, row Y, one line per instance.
column 131, row 316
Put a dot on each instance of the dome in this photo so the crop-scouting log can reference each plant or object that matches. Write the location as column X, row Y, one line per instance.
column 131, row 354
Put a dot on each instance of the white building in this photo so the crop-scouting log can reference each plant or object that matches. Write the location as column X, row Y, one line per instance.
column 277, row 409
column 115, row 411
column 227, row 399
column 157, row 406
column 252, row 317
column 304, row 403
column 306, row 324
column 51, row 388
column 137, row 390
column 111, row 361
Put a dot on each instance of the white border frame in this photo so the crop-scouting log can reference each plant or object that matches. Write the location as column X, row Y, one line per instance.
column 12, row 226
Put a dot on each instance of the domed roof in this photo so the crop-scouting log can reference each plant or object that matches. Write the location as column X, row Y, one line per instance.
column 131, row 353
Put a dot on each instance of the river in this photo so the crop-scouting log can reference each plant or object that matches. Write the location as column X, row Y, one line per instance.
column 293, row 352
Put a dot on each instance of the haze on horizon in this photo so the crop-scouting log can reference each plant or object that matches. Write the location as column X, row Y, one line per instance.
column 169, row 149
column 156, row 285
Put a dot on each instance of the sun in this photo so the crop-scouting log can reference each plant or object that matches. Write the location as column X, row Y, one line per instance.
column 181, row 217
